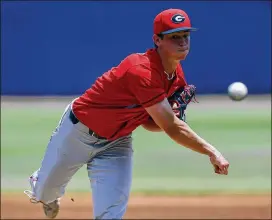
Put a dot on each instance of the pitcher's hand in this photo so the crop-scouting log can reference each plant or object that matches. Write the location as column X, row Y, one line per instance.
column 220, row 164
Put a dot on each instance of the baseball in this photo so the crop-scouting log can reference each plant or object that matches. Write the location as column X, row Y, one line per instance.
column 237, row 91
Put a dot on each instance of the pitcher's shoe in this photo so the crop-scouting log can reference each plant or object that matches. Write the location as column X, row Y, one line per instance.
column 51, row 209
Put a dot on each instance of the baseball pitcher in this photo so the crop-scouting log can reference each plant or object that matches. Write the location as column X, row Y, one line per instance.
column 146, row 89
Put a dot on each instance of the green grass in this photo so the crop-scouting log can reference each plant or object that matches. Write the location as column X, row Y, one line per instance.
column 160, row 165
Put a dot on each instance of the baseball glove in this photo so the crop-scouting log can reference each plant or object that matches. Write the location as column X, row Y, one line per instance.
column 180, row 99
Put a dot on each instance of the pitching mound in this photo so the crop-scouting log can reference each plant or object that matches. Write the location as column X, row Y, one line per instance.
column 147, row 207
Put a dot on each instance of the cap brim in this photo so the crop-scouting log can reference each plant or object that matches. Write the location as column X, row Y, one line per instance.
column 179, row 29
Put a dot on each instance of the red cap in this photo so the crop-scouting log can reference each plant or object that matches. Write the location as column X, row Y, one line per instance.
column 172, row 20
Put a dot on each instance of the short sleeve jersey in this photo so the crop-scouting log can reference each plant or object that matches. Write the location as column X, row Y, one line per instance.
column 115, row 104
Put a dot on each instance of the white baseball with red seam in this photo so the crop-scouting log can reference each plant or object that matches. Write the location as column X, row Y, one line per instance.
column 237, row 91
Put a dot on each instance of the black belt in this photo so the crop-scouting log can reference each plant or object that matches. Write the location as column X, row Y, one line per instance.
column 74, row 120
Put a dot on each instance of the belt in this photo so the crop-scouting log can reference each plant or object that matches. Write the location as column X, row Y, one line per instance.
column 74, row 120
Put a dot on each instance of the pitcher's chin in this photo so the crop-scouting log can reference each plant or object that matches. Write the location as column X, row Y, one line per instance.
column 183, row 55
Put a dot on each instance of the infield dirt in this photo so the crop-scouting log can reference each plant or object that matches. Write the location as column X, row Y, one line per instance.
column 149, row 207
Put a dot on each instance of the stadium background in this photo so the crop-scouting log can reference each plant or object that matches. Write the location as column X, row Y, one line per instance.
column 53, row 51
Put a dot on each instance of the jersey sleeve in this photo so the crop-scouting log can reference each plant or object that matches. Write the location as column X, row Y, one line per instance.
column 145, row 85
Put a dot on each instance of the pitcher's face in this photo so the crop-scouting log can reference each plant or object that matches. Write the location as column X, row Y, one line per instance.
column 176, row 45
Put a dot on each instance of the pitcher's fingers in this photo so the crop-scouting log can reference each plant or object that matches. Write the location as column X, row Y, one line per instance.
column 216, row 169
column 224, row 171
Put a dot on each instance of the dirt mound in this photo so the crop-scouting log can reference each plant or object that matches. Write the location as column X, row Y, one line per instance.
column 147, row 207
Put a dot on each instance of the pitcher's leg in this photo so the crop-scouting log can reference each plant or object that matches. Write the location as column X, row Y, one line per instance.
column 111, row 176
column 61, row 161
column 66, row 153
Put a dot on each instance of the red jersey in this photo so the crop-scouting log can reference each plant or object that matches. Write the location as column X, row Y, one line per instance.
column 115, row 104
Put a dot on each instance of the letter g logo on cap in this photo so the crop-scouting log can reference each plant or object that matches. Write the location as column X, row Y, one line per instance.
column 178, row 18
